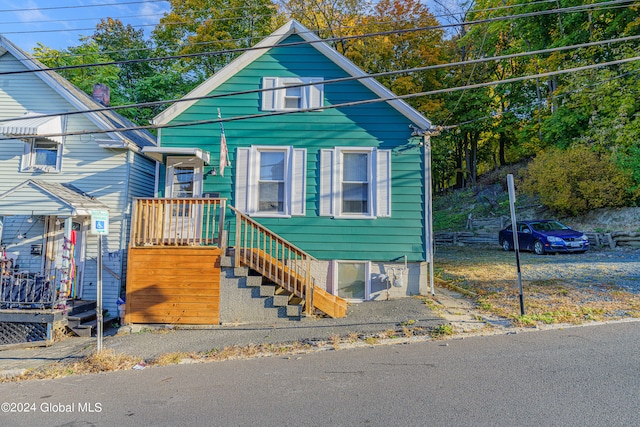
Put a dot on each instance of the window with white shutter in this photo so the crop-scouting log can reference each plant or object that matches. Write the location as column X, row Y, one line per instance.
column 271, row 181
column 355, row 182
column 288, row 95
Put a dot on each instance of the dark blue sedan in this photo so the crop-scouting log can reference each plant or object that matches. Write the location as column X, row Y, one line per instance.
column 544, row 236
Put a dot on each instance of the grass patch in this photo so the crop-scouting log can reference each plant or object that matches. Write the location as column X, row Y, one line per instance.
column 372, row 340
column 491, row 275
column 106, row 361
column 442, row 331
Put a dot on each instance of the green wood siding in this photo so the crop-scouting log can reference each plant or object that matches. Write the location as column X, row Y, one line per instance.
column 374, row 125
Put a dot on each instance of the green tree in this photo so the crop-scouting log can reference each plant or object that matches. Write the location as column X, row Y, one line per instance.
column 577, row 180
column 202, row 28
column 76, row 58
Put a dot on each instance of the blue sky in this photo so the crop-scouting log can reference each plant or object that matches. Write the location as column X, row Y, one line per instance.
column 59, row 24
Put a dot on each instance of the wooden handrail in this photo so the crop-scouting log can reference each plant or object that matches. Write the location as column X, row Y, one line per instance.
column 178, row 221
column 274, row 258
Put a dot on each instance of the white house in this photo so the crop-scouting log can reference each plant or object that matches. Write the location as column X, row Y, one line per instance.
column 58, row 165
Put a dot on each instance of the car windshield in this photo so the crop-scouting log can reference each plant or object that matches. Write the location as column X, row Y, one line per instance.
column 548, row 226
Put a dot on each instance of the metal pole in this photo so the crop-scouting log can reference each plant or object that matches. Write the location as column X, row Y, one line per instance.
column 514, row 229
column 429, row 210
column 99, row 296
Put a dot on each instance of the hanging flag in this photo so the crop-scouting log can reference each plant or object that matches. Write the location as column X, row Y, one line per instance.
column 224, row 151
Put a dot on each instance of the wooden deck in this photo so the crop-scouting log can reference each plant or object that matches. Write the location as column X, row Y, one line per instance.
column 173, row 285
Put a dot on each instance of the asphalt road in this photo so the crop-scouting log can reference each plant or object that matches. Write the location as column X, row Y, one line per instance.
column 572, row 377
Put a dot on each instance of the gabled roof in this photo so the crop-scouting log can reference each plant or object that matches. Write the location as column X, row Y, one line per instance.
column 290, row 28
column 36, row 197
column 104, row 120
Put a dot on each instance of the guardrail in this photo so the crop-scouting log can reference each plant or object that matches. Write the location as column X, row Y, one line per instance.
column 178, row 222
column 22, row 290
column 273, row 257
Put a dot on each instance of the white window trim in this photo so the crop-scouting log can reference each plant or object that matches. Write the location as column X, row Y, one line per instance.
column 367, row 279
column 173, row 161
column 29, row 156
column 295, row 182
column 378, row 175
column 254, row 174
column 311, row 96
column 370, row 182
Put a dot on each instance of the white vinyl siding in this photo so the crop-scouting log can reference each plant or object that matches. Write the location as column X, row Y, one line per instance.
column 97, row 171
column 271, row 181
column 286, row 96
column 355, row 183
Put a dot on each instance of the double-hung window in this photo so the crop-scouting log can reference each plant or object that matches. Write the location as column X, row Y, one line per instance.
column 355, row 182
column 289, row 95
column 42, row 155
column 271, row 181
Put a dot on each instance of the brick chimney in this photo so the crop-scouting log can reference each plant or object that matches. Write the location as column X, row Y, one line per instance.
column 102, row 94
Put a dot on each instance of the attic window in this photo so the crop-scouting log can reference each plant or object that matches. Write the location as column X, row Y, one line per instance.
column 288, row 96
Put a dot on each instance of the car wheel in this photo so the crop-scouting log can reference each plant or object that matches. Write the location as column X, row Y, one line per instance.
column 506, row 245
column 538, row 247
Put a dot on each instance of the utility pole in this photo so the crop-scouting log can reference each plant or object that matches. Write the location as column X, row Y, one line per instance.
column 428, row 198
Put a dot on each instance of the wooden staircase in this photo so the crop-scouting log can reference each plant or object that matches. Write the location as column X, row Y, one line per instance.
column 82, row 319
column 285, row 265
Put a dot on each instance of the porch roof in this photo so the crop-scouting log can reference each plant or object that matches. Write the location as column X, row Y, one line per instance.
column 36, row 197
column 160, row 153
column 31, row 124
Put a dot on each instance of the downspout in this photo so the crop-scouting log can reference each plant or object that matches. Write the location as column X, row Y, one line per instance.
column 124, row 225
column 156, row 182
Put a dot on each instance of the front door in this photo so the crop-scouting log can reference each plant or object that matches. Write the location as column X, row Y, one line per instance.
column 79, row 234
column 183, row 180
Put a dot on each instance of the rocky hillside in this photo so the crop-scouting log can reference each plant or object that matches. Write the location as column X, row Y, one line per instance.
column 452, row 210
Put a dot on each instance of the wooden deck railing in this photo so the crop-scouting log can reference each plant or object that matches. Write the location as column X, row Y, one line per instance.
column 275, row 258
column 178, row 222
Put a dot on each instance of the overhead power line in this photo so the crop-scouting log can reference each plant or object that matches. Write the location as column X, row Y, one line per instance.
column 344, row 27
column 45, row 21
column 333, row 39
column 348, row 104
column 351, row 78
column 80, row 6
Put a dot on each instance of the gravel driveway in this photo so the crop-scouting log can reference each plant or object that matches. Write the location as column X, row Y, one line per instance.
column 604, row 268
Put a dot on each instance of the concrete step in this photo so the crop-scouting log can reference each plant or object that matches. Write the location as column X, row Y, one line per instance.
column 226, row 262
column 267, row 290
column 254, row 281
column 294, row 311
column 281, row 298
column 241, row 271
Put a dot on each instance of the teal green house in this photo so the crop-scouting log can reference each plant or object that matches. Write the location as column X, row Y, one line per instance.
column 318, row 152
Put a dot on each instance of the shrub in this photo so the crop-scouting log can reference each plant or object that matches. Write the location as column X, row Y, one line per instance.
column 576, row 180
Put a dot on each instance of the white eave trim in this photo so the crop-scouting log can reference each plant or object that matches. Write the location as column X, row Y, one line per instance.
column 158, row 153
